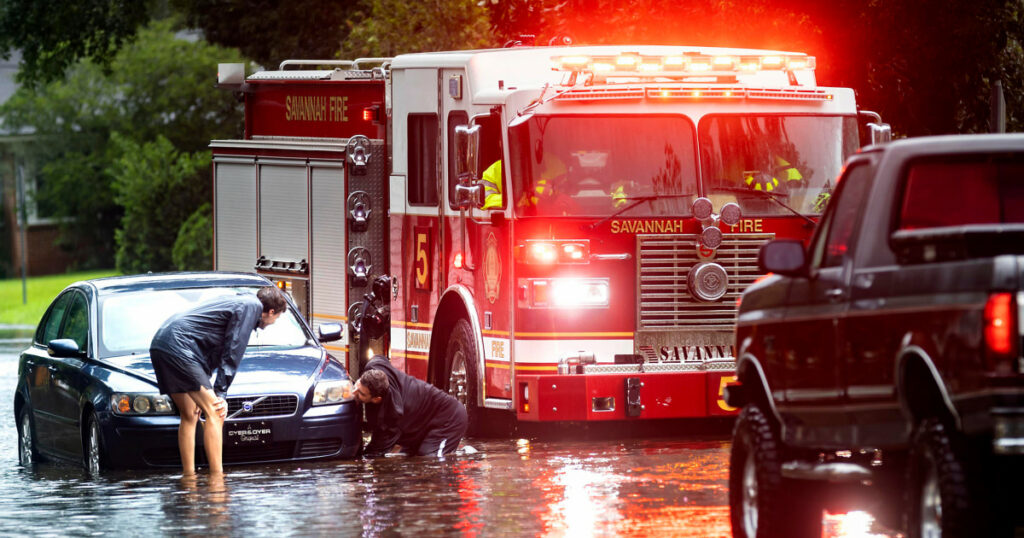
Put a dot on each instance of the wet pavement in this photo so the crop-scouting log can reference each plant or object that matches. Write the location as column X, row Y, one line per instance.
column 513, row 487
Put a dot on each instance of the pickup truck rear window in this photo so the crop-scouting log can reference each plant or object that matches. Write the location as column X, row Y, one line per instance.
column 962, row 191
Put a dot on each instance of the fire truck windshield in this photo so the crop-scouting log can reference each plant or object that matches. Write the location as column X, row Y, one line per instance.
column 794, row 158
column 595, row 166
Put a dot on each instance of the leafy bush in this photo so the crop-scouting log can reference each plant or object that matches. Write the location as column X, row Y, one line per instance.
column 159, row 187
column 193, row 250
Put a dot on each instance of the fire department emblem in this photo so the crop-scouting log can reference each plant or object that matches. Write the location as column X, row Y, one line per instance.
column 492, row 268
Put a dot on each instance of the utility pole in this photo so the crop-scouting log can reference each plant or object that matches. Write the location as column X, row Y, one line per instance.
column 23, row 223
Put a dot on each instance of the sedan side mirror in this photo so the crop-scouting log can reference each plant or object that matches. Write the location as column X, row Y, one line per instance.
column 329, row 332
column 783, row 257
column 63, row 347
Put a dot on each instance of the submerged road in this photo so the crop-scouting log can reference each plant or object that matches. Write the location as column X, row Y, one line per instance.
column 672, row 486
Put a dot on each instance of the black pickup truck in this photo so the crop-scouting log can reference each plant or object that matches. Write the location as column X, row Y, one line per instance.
column 885, row 356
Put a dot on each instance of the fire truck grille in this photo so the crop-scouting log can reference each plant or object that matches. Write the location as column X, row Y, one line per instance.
column 665, row 261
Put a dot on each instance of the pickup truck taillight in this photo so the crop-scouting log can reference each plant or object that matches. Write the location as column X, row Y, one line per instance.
column 1000, row 332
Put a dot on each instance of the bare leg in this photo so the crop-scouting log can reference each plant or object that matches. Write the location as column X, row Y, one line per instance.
column 213, row 429
column 187, row 431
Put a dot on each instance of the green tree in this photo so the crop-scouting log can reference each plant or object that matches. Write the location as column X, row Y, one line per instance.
column 193, row 249
column 159, row 188
column 160, row 85
column 52, row 37
column 391, row 27
column 269, row 31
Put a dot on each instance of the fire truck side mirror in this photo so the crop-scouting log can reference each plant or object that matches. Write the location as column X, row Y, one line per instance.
column 467, row 153
column 880, row 133
column 468, row 193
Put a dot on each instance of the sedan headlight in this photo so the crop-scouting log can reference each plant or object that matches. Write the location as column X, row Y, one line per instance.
column 332, row 392
column 141, row 404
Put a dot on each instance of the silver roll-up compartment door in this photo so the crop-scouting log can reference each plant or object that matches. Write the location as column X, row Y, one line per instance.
column 235, row 216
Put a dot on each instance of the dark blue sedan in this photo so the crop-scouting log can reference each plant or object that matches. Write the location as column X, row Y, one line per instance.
column 87, row 392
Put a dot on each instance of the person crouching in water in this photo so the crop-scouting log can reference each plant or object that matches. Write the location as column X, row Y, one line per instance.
column 408, row 412
column 191, row 346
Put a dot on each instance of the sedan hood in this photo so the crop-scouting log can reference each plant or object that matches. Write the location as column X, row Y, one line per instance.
column 261, row 371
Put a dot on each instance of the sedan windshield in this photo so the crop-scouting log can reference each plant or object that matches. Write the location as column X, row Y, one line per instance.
column 128, row 321
column 793, row 159
column 595, row 166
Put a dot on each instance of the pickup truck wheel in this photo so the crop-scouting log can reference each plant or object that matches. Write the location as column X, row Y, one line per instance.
column 460, row 371
column 940, row 503
column 761, row 502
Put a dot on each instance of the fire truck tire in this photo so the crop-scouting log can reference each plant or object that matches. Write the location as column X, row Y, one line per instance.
column 761, row 502
column 940, row 502
column 460, row 372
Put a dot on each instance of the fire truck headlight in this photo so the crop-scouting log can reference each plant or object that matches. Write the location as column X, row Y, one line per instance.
column 579, row 292
column 554, row 251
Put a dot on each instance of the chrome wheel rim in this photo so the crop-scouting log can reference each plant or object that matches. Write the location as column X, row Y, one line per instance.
column 457, row 378
column 931, row 505
column 93, row 456
column 25, row 436
column 749, row 501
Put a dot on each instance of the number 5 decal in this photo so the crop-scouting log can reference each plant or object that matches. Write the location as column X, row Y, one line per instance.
column 725, row 380
column 424, row 253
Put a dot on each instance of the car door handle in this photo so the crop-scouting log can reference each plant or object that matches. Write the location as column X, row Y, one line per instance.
column 835, row 294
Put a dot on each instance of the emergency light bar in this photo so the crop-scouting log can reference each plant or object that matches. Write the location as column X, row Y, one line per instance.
column 694, row 93
column 634, row 64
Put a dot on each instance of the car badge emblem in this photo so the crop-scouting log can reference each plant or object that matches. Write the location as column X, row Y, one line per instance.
column 247, row 406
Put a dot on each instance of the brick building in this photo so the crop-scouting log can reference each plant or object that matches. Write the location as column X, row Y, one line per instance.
column 38, row 247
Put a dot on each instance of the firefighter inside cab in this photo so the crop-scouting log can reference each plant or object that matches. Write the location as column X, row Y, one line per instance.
column 557, row 189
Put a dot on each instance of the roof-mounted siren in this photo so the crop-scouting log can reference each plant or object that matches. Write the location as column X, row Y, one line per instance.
column 684, row 65
column 880, row 132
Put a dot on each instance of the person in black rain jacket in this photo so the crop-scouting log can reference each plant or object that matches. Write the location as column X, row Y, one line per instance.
column 191, row 346
column 408, row 412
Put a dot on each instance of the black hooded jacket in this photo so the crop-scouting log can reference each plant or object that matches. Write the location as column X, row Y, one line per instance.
column 408, row 412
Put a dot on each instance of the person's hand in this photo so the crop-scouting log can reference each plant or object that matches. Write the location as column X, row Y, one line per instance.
column 221, row 407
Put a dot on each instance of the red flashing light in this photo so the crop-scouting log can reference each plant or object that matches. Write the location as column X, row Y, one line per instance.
column 1000, row 333
column 371, row 113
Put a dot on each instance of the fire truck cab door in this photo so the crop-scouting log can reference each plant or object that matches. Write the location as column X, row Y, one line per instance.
column 482, row 236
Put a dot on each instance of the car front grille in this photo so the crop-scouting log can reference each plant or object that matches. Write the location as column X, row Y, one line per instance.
column 664, row 262
column 262, row 406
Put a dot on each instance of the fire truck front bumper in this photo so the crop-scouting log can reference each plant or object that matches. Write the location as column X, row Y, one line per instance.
column 636, row 392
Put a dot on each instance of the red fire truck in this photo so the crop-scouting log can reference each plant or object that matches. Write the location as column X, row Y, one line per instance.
column 566, row 230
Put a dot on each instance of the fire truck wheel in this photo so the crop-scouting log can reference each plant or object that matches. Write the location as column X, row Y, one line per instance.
column 939, row 503
column 761, row 501
column 461, row 370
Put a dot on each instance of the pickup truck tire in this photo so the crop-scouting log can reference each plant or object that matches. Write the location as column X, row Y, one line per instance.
column 939, row 502
column 761, row 502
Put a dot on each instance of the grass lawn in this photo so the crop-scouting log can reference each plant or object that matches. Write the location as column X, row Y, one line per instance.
column 40, row 292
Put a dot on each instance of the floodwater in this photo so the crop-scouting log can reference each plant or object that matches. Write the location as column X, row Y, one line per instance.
column 511, row 487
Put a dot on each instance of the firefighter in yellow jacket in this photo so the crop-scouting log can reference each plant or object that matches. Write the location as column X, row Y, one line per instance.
column 769, row 182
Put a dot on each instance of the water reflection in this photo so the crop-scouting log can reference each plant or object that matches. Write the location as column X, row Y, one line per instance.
column 671, row 487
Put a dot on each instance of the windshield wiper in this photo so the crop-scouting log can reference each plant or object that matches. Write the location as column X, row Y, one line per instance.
column 773, row 196
column 636, row 201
